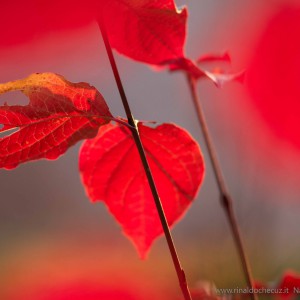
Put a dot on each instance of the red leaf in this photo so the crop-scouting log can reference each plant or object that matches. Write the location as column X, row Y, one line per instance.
column 290, row 282
column 111, row 171
column 21, row 21
column 273, row 74
column 147, row 30
column 154, row 32
column 288, row 287
column 59, row 114
column 150, row 31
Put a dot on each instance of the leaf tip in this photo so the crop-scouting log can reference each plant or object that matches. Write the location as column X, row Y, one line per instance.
column 142, row 249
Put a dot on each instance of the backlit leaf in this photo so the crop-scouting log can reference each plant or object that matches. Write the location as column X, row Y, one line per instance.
column 112, row 172
column 154, row 32
column 150, row 31
column 59, row 114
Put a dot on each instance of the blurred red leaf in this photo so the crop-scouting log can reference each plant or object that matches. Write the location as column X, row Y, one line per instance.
column 273, row 74
column 81, row 291
column 112, row 172
column 145, row 30
column 288, row 287
column 59, row 114
column 21, row 21
column 289, row 282
column 152, row 32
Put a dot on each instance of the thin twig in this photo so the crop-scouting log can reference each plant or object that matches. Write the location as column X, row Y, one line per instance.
column 135, row 133
column 226, row 199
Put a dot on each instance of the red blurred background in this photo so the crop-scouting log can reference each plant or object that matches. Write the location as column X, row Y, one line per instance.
column 56, row 245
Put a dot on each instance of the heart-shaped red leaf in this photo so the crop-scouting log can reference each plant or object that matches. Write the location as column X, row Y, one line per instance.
column 59, row 114
column 112, row 172
column 148, row 31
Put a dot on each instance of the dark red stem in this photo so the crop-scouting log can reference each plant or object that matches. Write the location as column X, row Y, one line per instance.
column 135, row 133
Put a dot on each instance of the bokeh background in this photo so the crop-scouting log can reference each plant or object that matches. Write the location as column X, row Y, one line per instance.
column 54, row 242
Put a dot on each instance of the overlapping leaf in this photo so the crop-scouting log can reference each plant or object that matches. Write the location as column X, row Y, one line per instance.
column 154, row 32
column 112, row 172
column 149, row 31
column 59, row 114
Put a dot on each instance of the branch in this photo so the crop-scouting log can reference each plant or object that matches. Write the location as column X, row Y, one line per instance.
column 139, row 145
column 225, row 197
